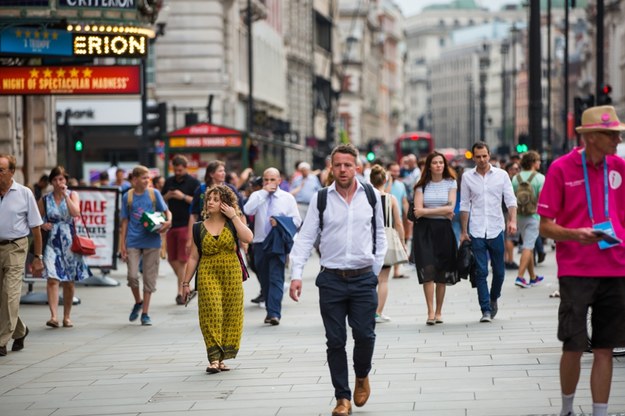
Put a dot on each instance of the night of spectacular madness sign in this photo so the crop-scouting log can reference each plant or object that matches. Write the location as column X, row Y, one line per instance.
column 116, row 45
column 44, row 80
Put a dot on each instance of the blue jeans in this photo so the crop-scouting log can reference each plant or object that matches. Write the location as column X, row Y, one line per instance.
column 482, row 248
column 356, row 299
column 270, row 271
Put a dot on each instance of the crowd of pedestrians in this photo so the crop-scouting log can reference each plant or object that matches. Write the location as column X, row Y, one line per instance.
column 346, row 211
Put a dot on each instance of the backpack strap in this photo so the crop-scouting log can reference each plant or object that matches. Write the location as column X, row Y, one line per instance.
column 322, row 201
column 531, row 177
column 197, row 240
column 372, row 201
column 233, row 230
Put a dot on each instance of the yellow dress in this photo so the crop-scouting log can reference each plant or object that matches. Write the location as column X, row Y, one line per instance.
column 220, row 295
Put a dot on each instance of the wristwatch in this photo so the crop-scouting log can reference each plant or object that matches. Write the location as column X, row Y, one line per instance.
column 39, row 256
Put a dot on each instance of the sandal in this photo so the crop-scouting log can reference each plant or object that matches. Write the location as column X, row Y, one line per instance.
column 67, row 323
column 213, row 368
column 52, row 323
column 223, row 366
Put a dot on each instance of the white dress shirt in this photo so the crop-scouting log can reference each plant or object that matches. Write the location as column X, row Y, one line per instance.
column 19, row 212
column 481, row 196
column 283, row 204
column 346, row 239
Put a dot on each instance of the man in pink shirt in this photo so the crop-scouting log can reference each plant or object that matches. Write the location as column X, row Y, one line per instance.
column 582, row 201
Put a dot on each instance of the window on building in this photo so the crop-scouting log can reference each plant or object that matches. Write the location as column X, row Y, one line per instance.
column 323, row 32
column 323, row 90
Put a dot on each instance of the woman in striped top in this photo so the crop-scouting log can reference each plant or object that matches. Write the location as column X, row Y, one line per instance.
column 435, row 246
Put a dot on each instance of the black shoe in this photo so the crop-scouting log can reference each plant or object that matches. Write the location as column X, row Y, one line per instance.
column 180, row 300
column 18, row 343
column 511, row 266
column 541, row 257
column 274, row 320
column 258, row 299
column 493, row 308
column 3, row 351
column 267, row 320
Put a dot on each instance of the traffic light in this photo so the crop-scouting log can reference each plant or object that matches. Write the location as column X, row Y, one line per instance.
column 580, row 104
column 78, row 141
column 156, row 122
column 523, row 146
column 604, row 98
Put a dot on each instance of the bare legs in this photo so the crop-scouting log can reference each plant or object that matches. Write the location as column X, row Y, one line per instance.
column 382, row 289
column 428, row 291
column 146, row 298
column 527, row 263
column 178, row 267
column 600, row 376
column 53, row 300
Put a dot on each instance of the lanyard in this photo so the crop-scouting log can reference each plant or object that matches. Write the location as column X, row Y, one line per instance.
column 605, row 187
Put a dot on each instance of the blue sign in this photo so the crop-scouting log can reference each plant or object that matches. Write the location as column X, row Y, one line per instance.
column 25, row 3
column 35, row 41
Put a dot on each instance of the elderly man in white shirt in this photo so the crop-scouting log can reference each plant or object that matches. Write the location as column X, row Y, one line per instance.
column 266, row 204
column 481, row 216
column 351, row 259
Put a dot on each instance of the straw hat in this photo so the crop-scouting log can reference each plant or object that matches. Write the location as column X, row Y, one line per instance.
column 600, row 118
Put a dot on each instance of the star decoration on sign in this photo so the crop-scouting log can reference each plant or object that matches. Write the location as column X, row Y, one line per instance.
column 46, row 35
column 37, row 35
column 86, row 72
column 73, row 72
column 55, row 35
column 60, row 73
column 34, row 73
column 18, row 33
column 27, row 33
column 47, row 73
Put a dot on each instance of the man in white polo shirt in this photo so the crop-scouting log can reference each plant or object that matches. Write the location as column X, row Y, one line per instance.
column 20, row 215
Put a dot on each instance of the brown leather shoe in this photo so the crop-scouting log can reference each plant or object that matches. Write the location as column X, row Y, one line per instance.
column 361, row 391
column 343, row 408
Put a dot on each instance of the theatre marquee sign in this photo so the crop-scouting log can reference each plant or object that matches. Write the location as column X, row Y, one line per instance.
column 73, row 80
column 99, row 4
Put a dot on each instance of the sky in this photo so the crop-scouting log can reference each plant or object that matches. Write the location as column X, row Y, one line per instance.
column 411, row 7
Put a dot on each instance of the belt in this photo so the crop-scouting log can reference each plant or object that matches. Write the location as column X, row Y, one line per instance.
column 5, row 242
column 348, row 272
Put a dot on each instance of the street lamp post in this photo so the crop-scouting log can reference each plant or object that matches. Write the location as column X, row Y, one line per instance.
column 504, row 92
column 484, row 64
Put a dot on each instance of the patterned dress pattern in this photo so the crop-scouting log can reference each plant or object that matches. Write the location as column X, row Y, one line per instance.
column 220, row 295
column 60, row 261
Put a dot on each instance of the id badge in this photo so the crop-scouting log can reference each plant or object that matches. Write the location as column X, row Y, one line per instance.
column 607, row 228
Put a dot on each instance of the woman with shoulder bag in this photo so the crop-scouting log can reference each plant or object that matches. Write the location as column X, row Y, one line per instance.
column 392, row 219
column 62, row 265
column 434, row 242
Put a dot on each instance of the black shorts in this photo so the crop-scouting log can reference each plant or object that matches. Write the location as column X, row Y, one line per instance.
column 606, row 296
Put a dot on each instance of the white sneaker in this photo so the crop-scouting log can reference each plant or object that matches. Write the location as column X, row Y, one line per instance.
column 382, row 318
column 261, row 305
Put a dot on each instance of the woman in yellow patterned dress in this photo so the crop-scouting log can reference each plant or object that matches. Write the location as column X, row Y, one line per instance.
column 220, row 287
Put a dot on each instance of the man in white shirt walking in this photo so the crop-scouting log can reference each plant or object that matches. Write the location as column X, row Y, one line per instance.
column 352, row 245
column 265, row 205
column 482, row 190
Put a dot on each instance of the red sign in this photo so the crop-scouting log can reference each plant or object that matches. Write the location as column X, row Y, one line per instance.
column 177, row 142
column 205, row 129
column 44, row 80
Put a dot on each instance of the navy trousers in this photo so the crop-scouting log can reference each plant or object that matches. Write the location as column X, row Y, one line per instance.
column 270, row 270
column 354, row 299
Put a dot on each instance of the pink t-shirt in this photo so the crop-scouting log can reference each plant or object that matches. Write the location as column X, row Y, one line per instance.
column 563, row 198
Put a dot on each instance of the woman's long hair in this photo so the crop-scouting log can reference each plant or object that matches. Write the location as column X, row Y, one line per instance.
column 426, row 175
column 210, row 169
column 226, row 195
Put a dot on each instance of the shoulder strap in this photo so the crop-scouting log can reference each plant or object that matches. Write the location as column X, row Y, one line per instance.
column 152, row 198
column 233, row 230
column 531, row 177
column 131, row 193
column 372, row 201
column 322, row 201
column 388, row 207
column 197, row 238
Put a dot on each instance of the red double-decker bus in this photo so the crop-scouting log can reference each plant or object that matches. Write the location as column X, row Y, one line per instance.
column 419, row 143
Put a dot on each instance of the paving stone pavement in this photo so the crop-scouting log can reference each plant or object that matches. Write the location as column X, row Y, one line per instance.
column 106, row 365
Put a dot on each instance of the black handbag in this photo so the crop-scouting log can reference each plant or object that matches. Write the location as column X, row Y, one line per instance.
column 465, row 260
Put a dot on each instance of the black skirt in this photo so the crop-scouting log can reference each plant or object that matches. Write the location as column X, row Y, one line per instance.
column 435, row 251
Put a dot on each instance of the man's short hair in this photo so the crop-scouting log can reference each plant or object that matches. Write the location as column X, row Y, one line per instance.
column 347, row 149
column 480, row 145
column 12, row 161
column 303, row 166
column 139, row 171
column 179, row 160
column 529, row 158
